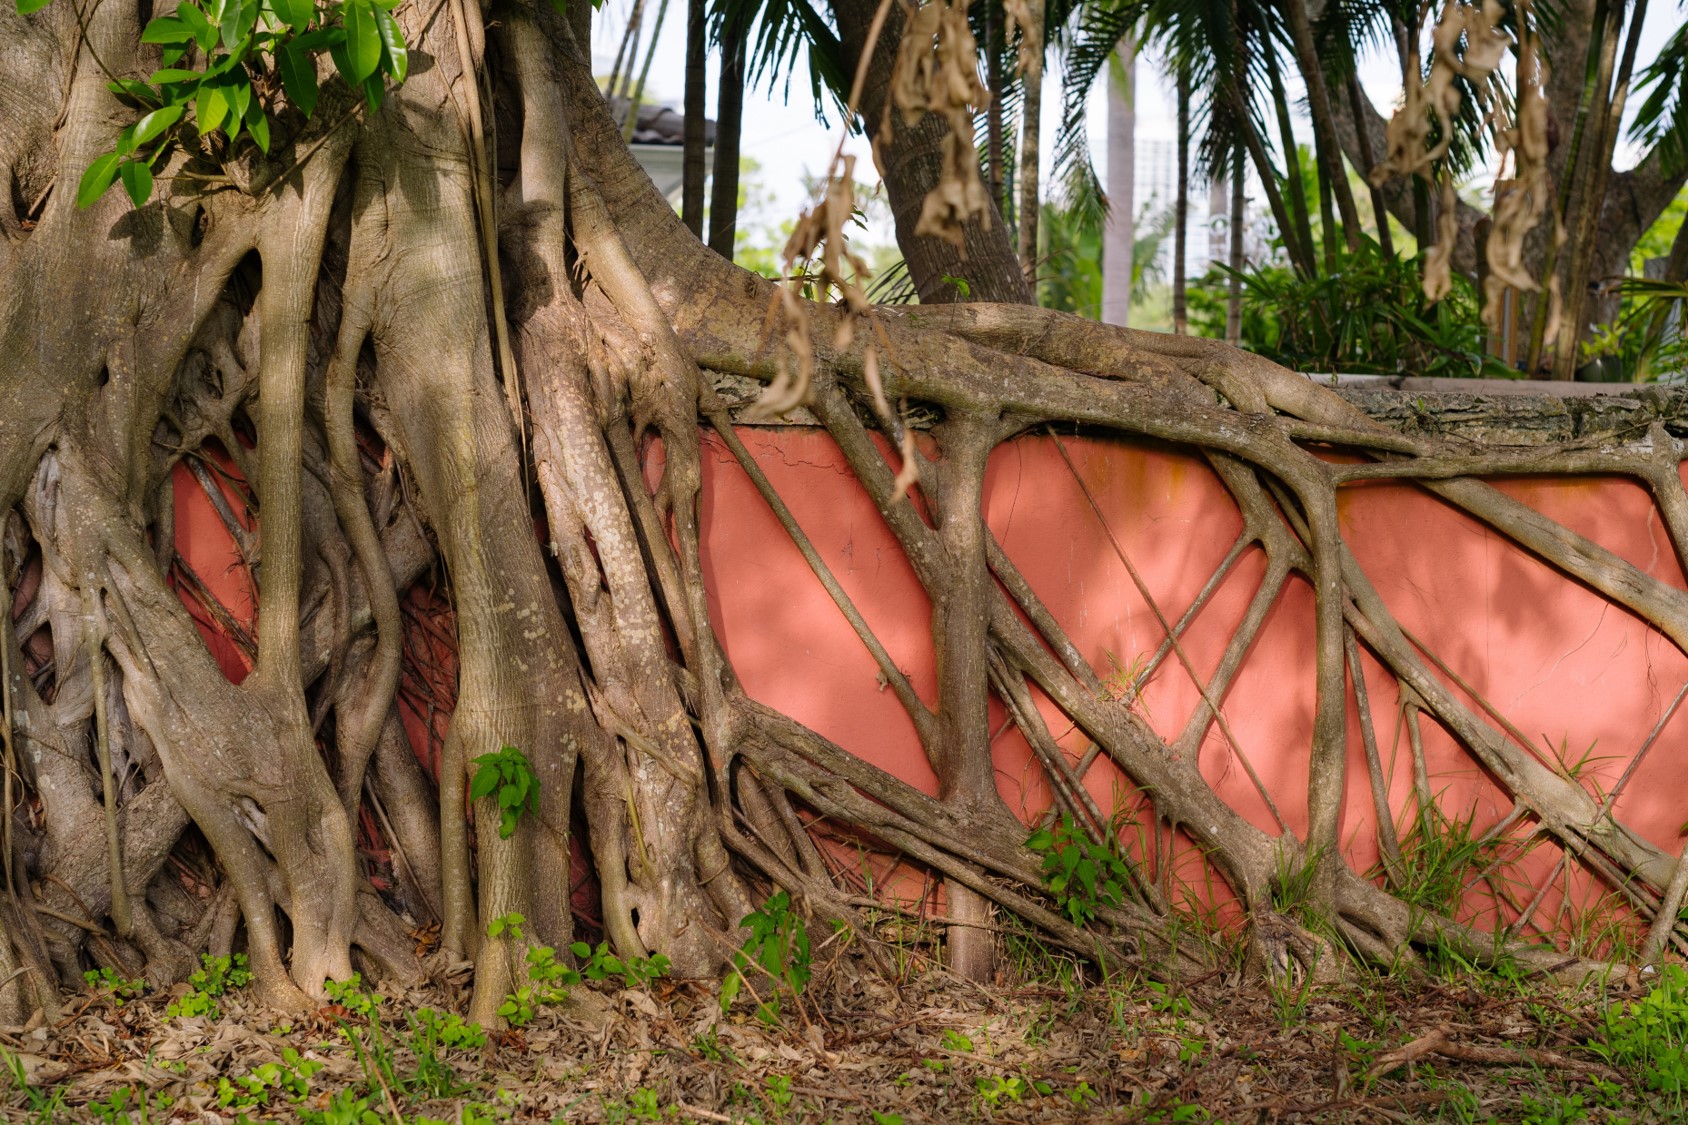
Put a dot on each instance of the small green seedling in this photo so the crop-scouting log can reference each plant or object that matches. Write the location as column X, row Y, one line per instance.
column 109, row 983
column 218, row 977
column 778, row 946
column 601, row 964
column 507, row 777
column 549, row 981
column 349, row 994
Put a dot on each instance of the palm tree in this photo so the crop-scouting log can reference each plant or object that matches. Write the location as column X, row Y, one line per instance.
column 732, row 35
column 757, row 41
column 1181, row 208
column 1031, row 133
column 692, row 169
column 1598, row 121
column 1118, row 234
column 1224, row 52
column 1326, row 146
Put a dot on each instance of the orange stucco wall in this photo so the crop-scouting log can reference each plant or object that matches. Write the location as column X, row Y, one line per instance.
column 1579, row 677
column 1585, row 681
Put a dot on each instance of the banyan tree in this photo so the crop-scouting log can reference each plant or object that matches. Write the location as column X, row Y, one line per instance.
column 442, row 334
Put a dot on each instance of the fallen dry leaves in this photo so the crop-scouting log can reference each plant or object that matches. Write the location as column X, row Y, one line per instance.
column 920, row 1048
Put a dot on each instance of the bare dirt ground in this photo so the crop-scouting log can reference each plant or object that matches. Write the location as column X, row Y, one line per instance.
column 906, row 1044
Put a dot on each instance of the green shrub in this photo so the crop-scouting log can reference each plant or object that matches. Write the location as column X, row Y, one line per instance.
column 1369, row 316
column 778, row 946
column 216, row 978
column 1649, row 1037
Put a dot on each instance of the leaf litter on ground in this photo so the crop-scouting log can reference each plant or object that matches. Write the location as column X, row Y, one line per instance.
column 859, row 1047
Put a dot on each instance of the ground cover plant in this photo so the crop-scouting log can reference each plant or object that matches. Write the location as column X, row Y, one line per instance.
column 389, row 285
column 1051, row 1041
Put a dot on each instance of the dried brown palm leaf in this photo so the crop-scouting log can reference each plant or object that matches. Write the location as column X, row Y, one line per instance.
column 817, row 258
column 1522, row 200
column 1469, row 43
column 1019, row 17
column 937, row 71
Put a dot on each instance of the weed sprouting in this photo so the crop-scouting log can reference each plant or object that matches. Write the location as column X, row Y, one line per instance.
column 1082, row 875
column 286, row 1081
column 1178, row 1113
column 131, row 1105
column 601, row 964
column 44, row 1105
column 1124, row 682
column 549, row 981
column 1292, row 882
column 642, row 1104
column 778, row 947
column 1555, row 1109
column 349, row 994
column 1438, row 856
column 508, row 778
column 1649, row 1037
column 109, row 983
column 216, row 977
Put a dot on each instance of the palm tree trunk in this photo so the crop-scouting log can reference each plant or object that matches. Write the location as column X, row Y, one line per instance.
column 1583, row 245
column 729, row 121
column 635, row 32
column 1424, row 219
column 1234, row 301
column 625, row 52
column 1030, row 136
column 1181, row 210
column 993, row 115
column 1327, row 216
column 1293, row 184
column 1325, row 143
column 692, row 169
column 1385, row 242
column 1602, row 48
column 910, row 162
column 1676, row 265
column 644, row 73
column 1300, row 255
column 1120, row 228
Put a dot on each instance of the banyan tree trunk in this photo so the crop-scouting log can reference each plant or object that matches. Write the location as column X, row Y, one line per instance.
column 319, row 323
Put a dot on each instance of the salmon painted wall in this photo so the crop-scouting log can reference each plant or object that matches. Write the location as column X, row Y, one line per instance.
column 1584, row 681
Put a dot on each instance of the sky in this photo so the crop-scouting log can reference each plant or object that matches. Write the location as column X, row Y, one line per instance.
column 792, row 146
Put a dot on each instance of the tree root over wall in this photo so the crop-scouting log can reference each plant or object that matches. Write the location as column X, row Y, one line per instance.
column 324, row 320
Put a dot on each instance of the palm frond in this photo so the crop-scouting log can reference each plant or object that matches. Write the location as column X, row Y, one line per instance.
column 1661, row 121
column 1085, row 52
column 779, row 31
column 1148, row 268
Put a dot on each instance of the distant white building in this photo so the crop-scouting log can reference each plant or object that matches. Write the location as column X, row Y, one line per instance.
column 659, row 144
column 1157, row 192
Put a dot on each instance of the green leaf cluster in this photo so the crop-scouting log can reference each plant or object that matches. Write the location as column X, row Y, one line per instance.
column 221, row 63
column 217, row 977
column 508, row 778
column 1082, row 875
column 601, row 964
column 289, row 1079
column 110, row 982
column 349, row 994
column 778, row 946
column 1368, row 316
column 549, row 981
column 1649, row 1037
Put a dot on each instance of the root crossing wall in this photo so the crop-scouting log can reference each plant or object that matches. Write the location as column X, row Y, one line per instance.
column 1584, row 683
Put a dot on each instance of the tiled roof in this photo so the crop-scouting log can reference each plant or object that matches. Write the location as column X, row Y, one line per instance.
column 660, row 124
